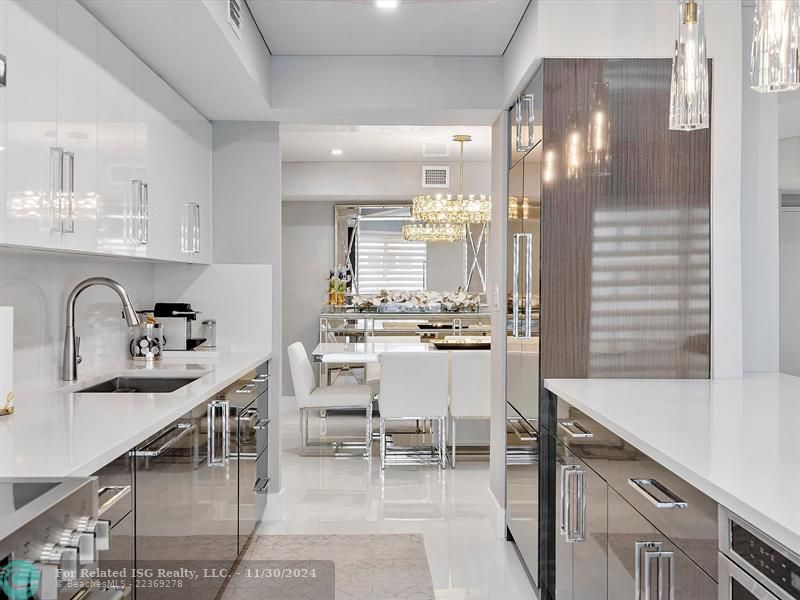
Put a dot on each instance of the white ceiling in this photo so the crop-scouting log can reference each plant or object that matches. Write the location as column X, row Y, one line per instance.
column 415, row 27
column 313, row 143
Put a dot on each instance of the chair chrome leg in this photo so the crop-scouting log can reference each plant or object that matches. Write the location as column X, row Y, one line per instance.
column 383, row 443
column 368, row 439
column 453, row 441
column 303, row 432
column 442, row 442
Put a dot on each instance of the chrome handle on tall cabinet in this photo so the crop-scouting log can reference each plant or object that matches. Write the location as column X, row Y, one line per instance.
column 515, row 287
column 571, row 473
column 528, row 331
column 69, row 225
column 221, row 457
column 196, row 223
column 523, row 101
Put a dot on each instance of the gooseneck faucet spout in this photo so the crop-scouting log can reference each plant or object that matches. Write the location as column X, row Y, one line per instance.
column 69, row 370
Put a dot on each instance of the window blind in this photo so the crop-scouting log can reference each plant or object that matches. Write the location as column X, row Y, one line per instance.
column 385, row 261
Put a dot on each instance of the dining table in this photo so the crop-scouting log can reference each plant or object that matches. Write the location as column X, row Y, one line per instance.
column 363, row 352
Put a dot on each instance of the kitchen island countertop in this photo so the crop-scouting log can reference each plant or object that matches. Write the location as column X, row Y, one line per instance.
column 737, row 441
column 56, row 432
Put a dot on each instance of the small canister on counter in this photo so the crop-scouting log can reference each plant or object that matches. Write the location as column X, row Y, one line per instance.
column 147, row 342
column 210, row 333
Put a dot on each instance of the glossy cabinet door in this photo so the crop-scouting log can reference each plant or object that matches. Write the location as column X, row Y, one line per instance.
column 581, row 526
column 514, row 391
column 642, row 563
column 3, row 119
column 32, row 114
column 119, row 227
column 77, row 122
column 522, row 508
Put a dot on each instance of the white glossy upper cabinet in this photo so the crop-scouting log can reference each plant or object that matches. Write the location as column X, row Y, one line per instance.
column 3, row 143
column 31, row 114
column 77, row 124
column 122, row 225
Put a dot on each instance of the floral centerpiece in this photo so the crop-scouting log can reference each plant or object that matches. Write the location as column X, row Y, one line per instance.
column 418, row 301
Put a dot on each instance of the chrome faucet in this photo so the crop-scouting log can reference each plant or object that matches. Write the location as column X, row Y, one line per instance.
column 72, row 343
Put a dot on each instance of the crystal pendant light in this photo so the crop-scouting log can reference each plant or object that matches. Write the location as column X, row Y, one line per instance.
column 460, row 209
column 434, row 232
column 688, row 99
column 775, row 59
column 599, row 138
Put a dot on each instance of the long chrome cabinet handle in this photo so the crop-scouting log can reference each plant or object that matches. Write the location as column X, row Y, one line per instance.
column 523, row 101
column 260, row 378
column 515, row 288
column 262, row 424
column 637, row 569
column 118, row 492
column 522, row 433
column 211, row 430
column 528, row 285
column 574, row 429
column 660, row 556
column 196, row 224
column 642, row 485
column 183, row 429
column 62, row 190
column 144, row 231
column 571, row 473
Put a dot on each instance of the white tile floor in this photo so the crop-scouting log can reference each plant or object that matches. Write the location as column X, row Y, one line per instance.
column 454, row 510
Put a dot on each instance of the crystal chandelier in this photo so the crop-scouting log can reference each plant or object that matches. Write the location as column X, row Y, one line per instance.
column 460, row 209
column 433, row 232
column 688, row 99
column 775, row 59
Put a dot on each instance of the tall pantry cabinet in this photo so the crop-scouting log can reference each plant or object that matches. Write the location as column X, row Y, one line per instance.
column 99, row 154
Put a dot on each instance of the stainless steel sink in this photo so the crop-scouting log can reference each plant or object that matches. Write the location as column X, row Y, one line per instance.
column 139, row 385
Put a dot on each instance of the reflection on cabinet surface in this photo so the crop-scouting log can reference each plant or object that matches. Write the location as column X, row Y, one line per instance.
column 100, row 154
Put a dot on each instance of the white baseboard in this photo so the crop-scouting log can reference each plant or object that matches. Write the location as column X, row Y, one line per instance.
column 500, row 518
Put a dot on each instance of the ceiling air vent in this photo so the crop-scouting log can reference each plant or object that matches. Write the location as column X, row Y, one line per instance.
column 435, row 177
column 235, row 16
column 790, row 200
column 435, row 150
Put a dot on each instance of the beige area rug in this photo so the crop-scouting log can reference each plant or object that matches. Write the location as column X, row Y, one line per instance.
column 328, row 567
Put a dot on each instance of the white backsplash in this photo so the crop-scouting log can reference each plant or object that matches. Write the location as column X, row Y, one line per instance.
column 36, row 284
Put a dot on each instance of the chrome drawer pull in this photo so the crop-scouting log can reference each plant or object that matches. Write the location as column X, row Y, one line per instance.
column 568, row 473
column 262, row 424
column 118, row 493
column 641, row 485
column 660, row 556
column 246, row 388
column 651, row 548
column 183, row 429
column 521, row 432
column 260, row 378
column 575, row 429
column 247, row 414
column 261, row 485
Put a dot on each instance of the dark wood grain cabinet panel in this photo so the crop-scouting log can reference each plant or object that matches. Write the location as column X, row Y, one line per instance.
column 626, row 269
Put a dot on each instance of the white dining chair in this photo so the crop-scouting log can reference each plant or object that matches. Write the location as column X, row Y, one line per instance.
column 414, row 387
column 470, row 373
column 372, row 373
column 310, row 396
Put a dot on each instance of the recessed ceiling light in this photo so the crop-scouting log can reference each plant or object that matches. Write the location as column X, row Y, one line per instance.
column 336, row 151
column 389, row 4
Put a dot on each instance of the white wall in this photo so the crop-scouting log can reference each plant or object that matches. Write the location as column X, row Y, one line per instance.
column 760, row 214
column 37, row 284
column 371, row 181
column 247, row 228
column 497, row 305
column 308, row 240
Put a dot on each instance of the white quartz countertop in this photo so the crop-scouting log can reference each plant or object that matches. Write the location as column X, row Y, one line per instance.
column 738, row 441
column 56, row 432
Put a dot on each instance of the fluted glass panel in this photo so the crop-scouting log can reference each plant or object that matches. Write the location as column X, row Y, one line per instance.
column 688, row 103
column 775, row 61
